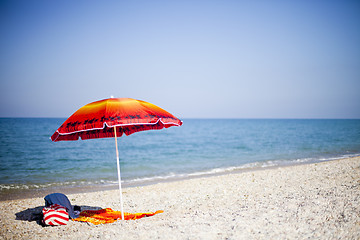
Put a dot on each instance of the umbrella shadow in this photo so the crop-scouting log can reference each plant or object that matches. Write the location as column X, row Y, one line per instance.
column 83, row 208
column 35, row 214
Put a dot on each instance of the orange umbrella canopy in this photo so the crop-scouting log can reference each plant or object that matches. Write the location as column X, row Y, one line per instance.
column 98, row 119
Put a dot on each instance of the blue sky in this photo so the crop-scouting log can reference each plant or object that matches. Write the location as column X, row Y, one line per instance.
column 196, row 59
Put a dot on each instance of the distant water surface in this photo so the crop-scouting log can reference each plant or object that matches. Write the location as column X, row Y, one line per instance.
column 30, row 160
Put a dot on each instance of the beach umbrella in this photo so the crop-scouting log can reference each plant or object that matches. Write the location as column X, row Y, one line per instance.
column 114, row 117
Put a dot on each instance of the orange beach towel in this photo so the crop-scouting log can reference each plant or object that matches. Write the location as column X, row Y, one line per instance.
column 108, row 215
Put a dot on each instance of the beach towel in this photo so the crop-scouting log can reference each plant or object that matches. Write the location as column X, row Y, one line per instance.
column 108, row 215
column 55, row 215
column 61, row 199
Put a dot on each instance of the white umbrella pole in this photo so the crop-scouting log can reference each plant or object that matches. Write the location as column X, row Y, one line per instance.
column 119, row 177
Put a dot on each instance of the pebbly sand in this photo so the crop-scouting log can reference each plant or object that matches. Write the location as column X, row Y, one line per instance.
column 316, row 201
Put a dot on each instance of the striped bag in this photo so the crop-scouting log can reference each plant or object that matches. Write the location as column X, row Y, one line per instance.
column 55, row 215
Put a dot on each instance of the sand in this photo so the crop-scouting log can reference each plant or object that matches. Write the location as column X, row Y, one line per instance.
column 316, row 201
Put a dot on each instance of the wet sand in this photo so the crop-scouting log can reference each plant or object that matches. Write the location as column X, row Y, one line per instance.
column 317, row 201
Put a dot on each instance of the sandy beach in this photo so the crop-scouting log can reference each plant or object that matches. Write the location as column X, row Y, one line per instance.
column 316, row 201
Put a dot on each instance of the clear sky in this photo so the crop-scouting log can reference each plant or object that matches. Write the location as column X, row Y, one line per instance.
column 196, row 59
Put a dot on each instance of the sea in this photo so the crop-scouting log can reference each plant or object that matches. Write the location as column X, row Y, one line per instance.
column 29, row 160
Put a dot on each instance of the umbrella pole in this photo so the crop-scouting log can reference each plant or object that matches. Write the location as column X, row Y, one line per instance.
column 119, row 177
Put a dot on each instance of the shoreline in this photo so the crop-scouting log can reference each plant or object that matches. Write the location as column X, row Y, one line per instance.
column 17, row 194
column 320, row 200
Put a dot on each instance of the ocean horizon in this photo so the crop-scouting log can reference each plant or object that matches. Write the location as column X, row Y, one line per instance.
column 30, row 160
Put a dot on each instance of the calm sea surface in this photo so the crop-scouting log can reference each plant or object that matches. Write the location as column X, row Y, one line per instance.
column 30, row 160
